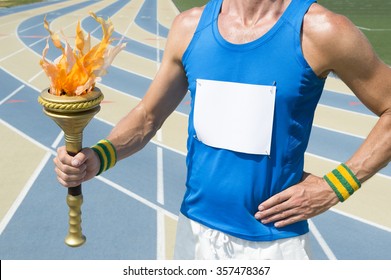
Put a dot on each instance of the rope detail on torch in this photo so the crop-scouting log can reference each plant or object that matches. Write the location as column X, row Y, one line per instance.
column 70, row 106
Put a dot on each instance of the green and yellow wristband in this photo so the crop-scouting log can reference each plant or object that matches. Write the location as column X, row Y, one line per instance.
column 106, row 153
column 343, row 182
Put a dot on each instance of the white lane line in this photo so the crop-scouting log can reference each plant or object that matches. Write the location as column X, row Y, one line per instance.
column 337, row 162
column 94, row 30
column 8, row 22
column 19, row 79
column 361, row 220
column 58, row 140
column 125, row 33
column 18, row 201
column 12, row 54
column 3, row 36
column 338, row 131
column 160, row 236
column 30, row 27
column 348, row 111
column 12, row 94
column 169, row 148
column 373, row 29
column 322, row 243
column 28, row 138
column 20, row 50
column 35, row 76
column 157, row 39
column 137, row 197
column 161, row 227
column 160, row 175
column 32, row 44
column 38, row 41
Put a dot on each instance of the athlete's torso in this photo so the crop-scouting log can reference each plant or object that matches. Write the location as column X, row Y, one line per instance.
column 226, row 183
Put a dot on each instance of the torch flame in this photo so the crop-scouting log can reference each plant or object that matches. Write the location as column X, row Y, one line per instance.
column 76, row 71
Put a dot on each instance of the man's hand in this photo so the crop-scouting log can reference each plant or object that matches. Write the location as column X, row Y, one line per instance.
column 72, row 171
column 308, row 198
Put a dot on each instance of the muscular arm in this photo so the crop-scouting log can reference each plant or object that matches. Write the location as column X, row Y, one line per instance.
column 168, row 88
column 137, row 128
column 332, row 43
column 345, row 51
column 370, row 79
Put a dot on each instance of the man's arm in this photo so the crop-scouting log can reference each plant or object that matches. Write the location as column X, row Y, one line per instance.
column 332, row 43
column 166, row 91
column 370, row 80
column 137, row 128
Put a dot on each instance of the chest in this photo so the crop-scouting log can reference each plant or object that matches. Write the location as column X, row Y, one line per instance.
column 236, row 32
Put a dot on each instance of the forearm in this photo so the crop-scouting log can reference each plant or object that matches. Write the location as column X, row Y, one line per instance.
column 133, row 132
column 375, row 152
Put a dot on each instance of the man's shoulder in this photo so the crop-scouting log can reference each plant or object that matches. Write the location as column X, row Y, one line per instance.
column 327, row 27
column 187, row 21
column 181, row 32
column 323, row 21
column 330, row 39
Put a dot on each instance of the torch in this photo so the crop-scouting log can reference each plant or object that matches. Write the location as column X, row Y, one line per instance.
column 72, row 114
column 72, row 99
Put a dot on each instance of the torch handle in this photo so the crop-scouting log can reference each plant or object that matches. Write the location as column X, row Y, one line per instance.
column 73, row 144
column 74, row 191
column 75, row 237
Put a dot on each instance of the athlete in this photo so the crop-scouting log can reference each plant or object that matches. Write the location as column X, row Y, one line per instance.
column 266, row 61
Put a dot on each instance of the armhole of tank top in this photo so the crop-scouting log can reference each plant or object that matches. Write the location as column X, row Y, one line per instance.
column 298, row 29
column 206, row 19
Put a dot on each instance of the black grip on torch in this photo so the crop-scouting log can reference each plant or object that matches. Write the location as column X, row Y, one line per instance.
column 74, row 191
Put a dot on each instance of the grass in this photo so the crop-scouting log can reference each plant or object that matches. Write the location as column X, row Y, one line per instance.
column 183, row 5
column 372, row 17
column 9, row 3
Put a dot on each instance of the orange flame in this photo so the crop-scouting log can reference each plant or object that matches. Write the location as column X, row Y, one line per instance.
column 76, row 71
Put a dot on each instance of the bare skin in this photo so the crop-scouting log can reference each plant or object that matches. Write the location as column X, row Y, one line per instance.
column 330, row 42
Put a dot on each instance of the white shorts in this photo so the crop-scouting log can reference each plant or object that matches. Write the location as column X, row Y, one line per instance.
column 197, row 242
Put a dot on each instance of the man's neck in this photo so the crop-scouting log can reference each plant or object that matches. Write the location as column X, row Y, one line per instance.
column 251, row 12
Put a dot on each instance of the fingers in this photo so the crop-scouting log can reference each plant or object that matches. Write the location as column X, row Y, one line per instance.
column 71, row 171
column 284, row 208
column 70, row 181
column 278, row 210
column 281, row 216
column 308, row 198
column 75, row 161
column 275, row 201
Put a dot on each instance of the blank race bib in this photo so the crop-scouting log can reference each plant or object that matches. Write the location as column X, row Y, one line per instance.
column 234, row 116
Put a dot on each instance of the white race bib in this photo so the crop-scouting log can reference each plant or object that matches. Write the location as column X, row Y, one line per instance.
column 234, row 116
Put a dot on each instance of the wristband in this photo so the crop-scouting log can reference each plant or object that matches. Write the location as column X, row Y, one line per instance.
column 106, row 153
column 343, row 182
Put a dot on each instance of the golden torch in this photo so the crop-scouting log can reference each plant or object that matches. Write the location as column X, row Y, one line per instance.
column 72, row 99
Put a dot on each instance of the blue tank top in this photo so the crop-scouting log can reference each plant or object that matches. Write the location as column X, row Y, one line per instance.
column 225, row 187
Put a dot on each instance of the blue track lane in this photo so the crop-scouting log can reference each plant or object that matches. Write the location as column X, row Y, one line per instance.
column 147, row 18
